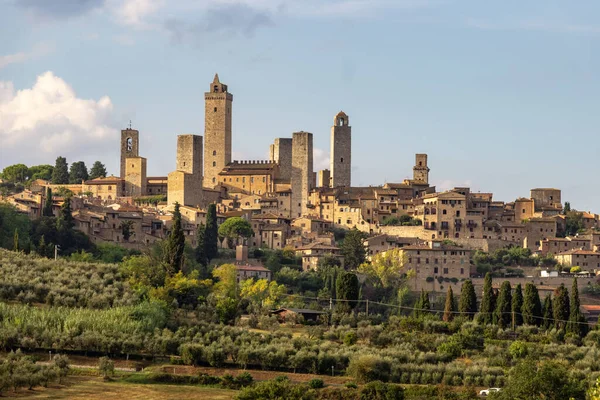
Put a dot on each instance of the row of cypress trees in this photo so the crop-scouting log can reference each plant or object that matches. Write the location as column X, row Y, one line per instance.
column 511, row 308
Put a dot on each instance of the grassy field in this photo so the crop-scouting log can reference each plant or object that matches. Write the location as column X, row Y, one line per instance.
column 94, row 388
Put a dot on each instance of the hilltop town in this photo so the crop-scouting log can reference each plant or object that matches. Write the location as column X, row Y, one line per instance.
column 291, row 206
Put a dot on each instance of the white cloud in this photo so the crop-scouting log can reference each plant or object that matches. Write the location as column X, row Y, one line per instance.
column 447, row 184
column 135, row 12
column 48, row 120
column 38, row 50
column 320, row 159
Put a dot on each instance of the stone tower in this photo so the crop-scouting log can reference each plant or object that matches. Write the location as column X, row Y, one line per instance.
column 341, row 151
column 184, row 185
column 135, row 177
column 217, row 131
column 421, row 170
column 281, row 152
column 324, row 178
column 302, row 172
column 130, row 141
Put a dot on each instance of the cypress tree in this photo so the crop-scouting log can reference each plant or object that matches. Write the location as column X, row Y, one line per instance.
column 517, row 306
column 66, row 216
column 200, row 237
column 353, row 249
column 561, row 307
column 487, row 302
column 16, row 240
column 423, row 305
column 548, row 313
column 467, row 305
column 347, row 288
column 503, row 311
column 577, row 323
column 47, row 210
column 532, row 307
column 450, row 306
column 211, row 233
column 42, row 250
column 175, row 244
column 60, row 174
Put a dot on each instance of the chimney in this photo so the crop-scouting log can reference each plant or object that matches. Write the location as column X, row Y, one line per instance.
column 241, row 254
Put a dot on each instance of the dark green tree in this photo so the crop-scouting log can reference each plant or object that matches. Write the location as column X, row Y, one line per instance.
column 47, row 210
column 43, row 172
column 532, row 306
column 450, row 306
column 566, row 208
column 235, row 228
column 347, row 289
column 423, row 305
column 560, row 306
column 577, row 322
column 517, row 306
column 98, row 170
column 175, row 244
column 13, row 223
column 486, row 313
column 503, row 306
column 127, row 230
column 60, row 174
column 78, row 172
column 467, row 304
column 211, row 235
column 42, row 248
column 17, row 173
column 353, row 249
column 547, row 313
column 66, row 221
column 199, row 253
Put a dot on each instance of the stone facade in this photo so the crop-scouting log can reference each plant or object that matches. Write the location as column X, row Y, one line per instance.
column 135, row 177
column 185, row 184
column 546, row 199
column 421, row 170
column 302, row 172
column 130, row 147
column 281, row 153
column 249, row 177
column 324, row 178
column 341, row 151
column 217, row 131
column 189, row 155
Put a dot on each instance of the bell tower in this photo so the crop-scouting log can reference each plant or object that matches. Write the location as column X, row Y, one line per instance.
column 217, row 131
column 341, row 151
column 130, row 141
column 421, row 170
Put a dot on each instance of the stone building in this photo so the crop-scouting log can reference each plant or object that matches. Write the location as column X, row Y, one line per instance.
column 546, row 199
column 324, row 178
column 586, row 259
column 249, row 177
column 108, row 188
column 443, row 214
column 314, row 252
column 130, row 147
column 281, row 153
column 560, row 245
column 185, row 183
column 341, row 151
column 217, row 131
column 302, row 172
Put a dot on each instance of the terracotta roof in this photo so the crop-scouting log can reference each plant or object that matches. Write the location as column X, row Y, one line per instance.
column 104, row 181
column 318, row 246
column 579, row 252
column 248, row 267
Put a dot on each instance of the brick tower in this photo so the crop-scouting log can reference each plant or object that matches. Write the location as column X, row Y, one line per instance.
column 217, row 131
column 130, row 141
column 341, row 151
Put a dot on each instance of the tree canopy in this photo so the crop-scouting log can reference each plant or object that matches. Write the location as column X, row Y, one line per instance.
column 234, row 228
column 60, row 174
column 353, row 249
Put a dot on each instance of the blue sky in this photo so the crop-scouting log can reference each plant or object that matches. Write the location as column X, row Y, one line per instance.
column 503, row 96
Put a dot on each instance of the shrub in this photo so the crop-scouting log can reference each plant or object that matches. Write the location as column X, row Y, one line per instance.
column 378, row 390
column 316, row 383
column 518, row 349
column 366, row 368
column 350, row 338
column 191, row 354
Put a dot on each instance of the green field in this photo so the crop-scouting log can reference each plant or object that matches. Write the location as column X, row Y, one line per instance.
column 93, row 388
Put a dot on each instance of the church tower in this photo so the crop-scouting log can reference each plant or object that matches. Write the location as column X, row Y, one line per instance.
column 341, row 151
column 421, row 170
column 217, row 131
column 130, row 147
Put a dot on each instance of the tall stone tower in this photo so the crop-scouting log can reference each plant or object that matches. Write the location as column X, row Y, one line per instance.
column 217, row 131
column 302, row 172
column 184, row 185
column 281, row 152
column 421, row 170
column 130, row 147
column 341, row 151
column 135, row 177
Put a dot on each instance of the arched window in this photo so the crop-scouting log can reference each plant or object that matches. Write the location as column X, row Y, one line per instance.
column 214, row 163
column 342, row 159
column 213, row 180
column 216, row 88
column 214, row 152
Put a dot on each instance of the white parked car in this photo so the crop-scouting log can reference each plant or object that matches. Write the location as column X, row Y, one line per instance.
column 486, row 392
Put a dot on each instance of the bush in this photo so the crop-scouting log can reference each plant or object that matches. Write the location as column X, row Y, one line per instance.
column 518, row 349
column 350, row 338
column 378, row 390
column 366, row 368
column 316, row 383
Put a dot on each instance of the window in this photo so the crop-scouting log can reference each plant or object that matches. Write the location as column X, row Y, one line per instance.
column 342, row 159
column 216, row 88
column 444, row 212
column 435, row 270
column 215, row 110
column 418, row 260
column 445, row 271
column 427, row 261
column 213, row 180
column 214, row 163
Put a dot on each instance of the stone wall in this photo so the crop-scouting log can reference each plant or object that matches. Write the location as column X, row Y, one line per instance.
column 135, row 177
column 189, row 154
column 281, row 152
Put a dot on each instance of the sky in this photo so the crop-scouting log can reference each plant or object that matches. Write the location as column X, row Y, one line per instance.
column 502, row 96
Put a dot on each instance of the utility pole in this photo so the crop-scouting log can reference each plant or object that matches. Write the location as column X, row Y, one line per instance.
column 330, row 303
column 56, row 247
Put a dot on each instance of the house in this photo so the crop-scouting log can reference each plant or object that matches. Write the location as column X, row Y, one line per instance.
column 311, row 254
column 308, row 315
column 248, row 271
